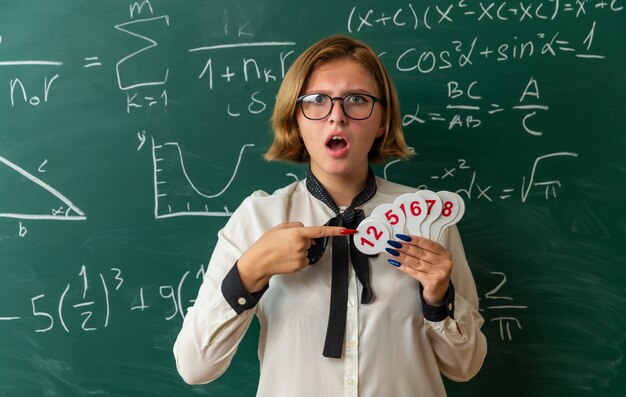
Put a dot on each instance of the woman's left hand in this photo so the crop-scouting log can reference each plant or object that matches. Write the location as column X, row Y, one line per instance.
column 426, row 261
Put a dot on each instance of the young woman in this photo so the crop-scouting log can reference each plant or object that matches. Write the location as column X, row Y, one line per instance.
column 334, row 322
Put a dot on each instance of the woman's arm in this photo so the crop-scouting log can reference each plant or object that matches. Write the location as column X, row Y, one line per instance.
column 213, row 328
column 449, row 301
column 248, row 253
column 457, row 341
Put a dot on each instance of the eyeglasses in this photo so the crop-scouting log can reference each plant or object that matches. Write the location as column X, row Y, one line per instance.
column 356, row 106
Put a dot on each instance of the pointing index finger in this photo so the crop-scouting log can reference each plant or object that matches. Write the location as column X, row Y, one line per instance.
column 325, row 231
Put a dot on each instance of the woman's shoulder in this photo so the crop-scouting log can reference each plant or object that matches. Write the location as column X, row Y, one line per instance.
column 261, row 211
column 385, row 186
column 261, row 198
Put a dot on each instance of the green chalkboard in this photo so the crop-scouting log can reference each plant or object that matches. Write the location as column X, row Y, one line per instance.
column 130, row 131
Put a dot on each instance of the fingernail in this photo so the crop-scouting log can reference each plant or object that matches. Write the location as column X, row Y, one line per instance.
column 348, row 231
column 395, row 263
column 394, row 244
column 392, row 252
column 404, row 237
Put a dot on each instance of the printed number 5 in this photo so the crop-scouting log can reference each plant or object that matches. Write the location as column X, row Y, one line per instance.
column 391, row 217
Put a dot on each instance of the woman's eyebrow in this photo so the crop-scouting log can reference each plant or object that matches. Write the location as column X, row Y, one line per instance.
column 346, row 92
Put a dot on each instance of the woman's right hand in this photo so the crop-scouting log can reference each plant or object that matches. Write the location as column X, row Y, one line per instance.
column 281, row 250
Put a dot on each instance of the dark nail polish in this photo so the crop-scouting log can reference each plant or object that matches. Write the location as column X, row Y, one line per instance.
column 394, row 244
column 395, row 263
column 392, row 252
column 404, row 237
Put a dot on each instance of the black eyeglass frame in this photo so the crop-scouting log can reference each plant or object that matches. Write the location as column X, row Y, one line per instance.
column 343, row 109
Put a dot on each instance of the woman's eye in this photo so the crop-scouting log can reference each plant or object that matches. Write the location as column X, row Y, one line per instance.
column 316, row 98
column 357, row 99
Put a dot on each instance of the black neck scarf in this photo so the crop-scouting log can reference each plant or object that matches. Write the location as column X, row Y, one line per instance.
column 343, row 250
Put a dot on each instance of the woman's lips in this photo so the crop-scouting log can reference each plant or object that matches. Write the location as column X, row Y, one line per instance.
column 337, row 146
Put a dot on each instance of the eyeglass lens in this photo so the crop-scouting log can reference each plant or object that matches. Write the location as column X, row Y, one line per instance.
column 355, row 106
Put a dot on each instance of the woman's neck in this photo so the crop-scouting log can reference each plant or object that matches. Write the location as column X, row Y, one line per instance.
column 343, row 188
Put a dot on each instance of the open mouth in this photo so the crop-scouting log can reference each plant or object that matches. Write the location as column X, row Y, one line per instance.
column 336, row 142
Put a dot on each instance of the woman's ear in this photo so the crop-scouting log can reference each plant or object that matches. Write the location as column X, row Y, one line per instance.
column 381, row 130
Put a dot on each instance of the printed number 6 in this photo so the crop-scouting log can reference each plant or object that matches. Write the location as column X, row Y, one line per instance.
column 415, row 208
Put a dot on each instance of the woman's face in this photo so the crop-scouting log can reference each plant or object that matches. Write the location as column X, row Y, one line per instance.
column 338, row 145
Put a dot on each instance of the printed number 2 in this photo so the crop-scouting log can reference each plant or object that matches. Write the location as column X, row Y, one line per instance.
column 377, row 236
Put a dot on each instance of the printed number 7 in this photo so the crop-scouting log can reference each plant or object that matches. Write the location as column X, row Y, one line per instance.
column 430, row 205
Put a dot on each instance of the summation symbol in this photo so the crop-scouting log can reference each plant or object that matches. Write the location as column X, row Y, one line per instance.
column 172, row 183
column 125, row 27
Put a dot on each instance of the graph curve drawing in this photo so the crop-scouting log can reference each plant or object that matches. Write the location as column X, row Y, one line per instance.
column 168, row 161
column 70, row 213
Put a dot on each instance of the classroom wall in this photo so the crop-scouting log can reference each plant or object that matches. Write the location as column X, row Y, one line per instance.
column 129, row 132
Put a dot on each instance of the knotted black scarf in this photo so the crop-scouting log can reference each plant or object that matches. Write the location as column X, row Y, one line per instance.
column 350, row 218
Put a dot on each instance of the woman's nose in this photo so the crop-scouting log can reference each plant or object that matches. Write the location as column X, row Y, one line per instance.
column 336, row 113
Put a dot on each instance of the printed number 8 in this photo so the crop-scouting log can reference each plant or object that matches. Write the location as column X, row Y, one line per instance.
column 447, row 208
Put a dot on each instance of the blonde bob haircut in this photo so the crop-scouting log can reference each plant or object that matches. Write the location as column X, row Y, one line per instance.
column 288, row 146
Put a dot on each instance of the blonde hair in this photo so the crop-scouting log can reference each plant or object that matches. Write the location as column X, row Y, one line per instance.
column 287, row 144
